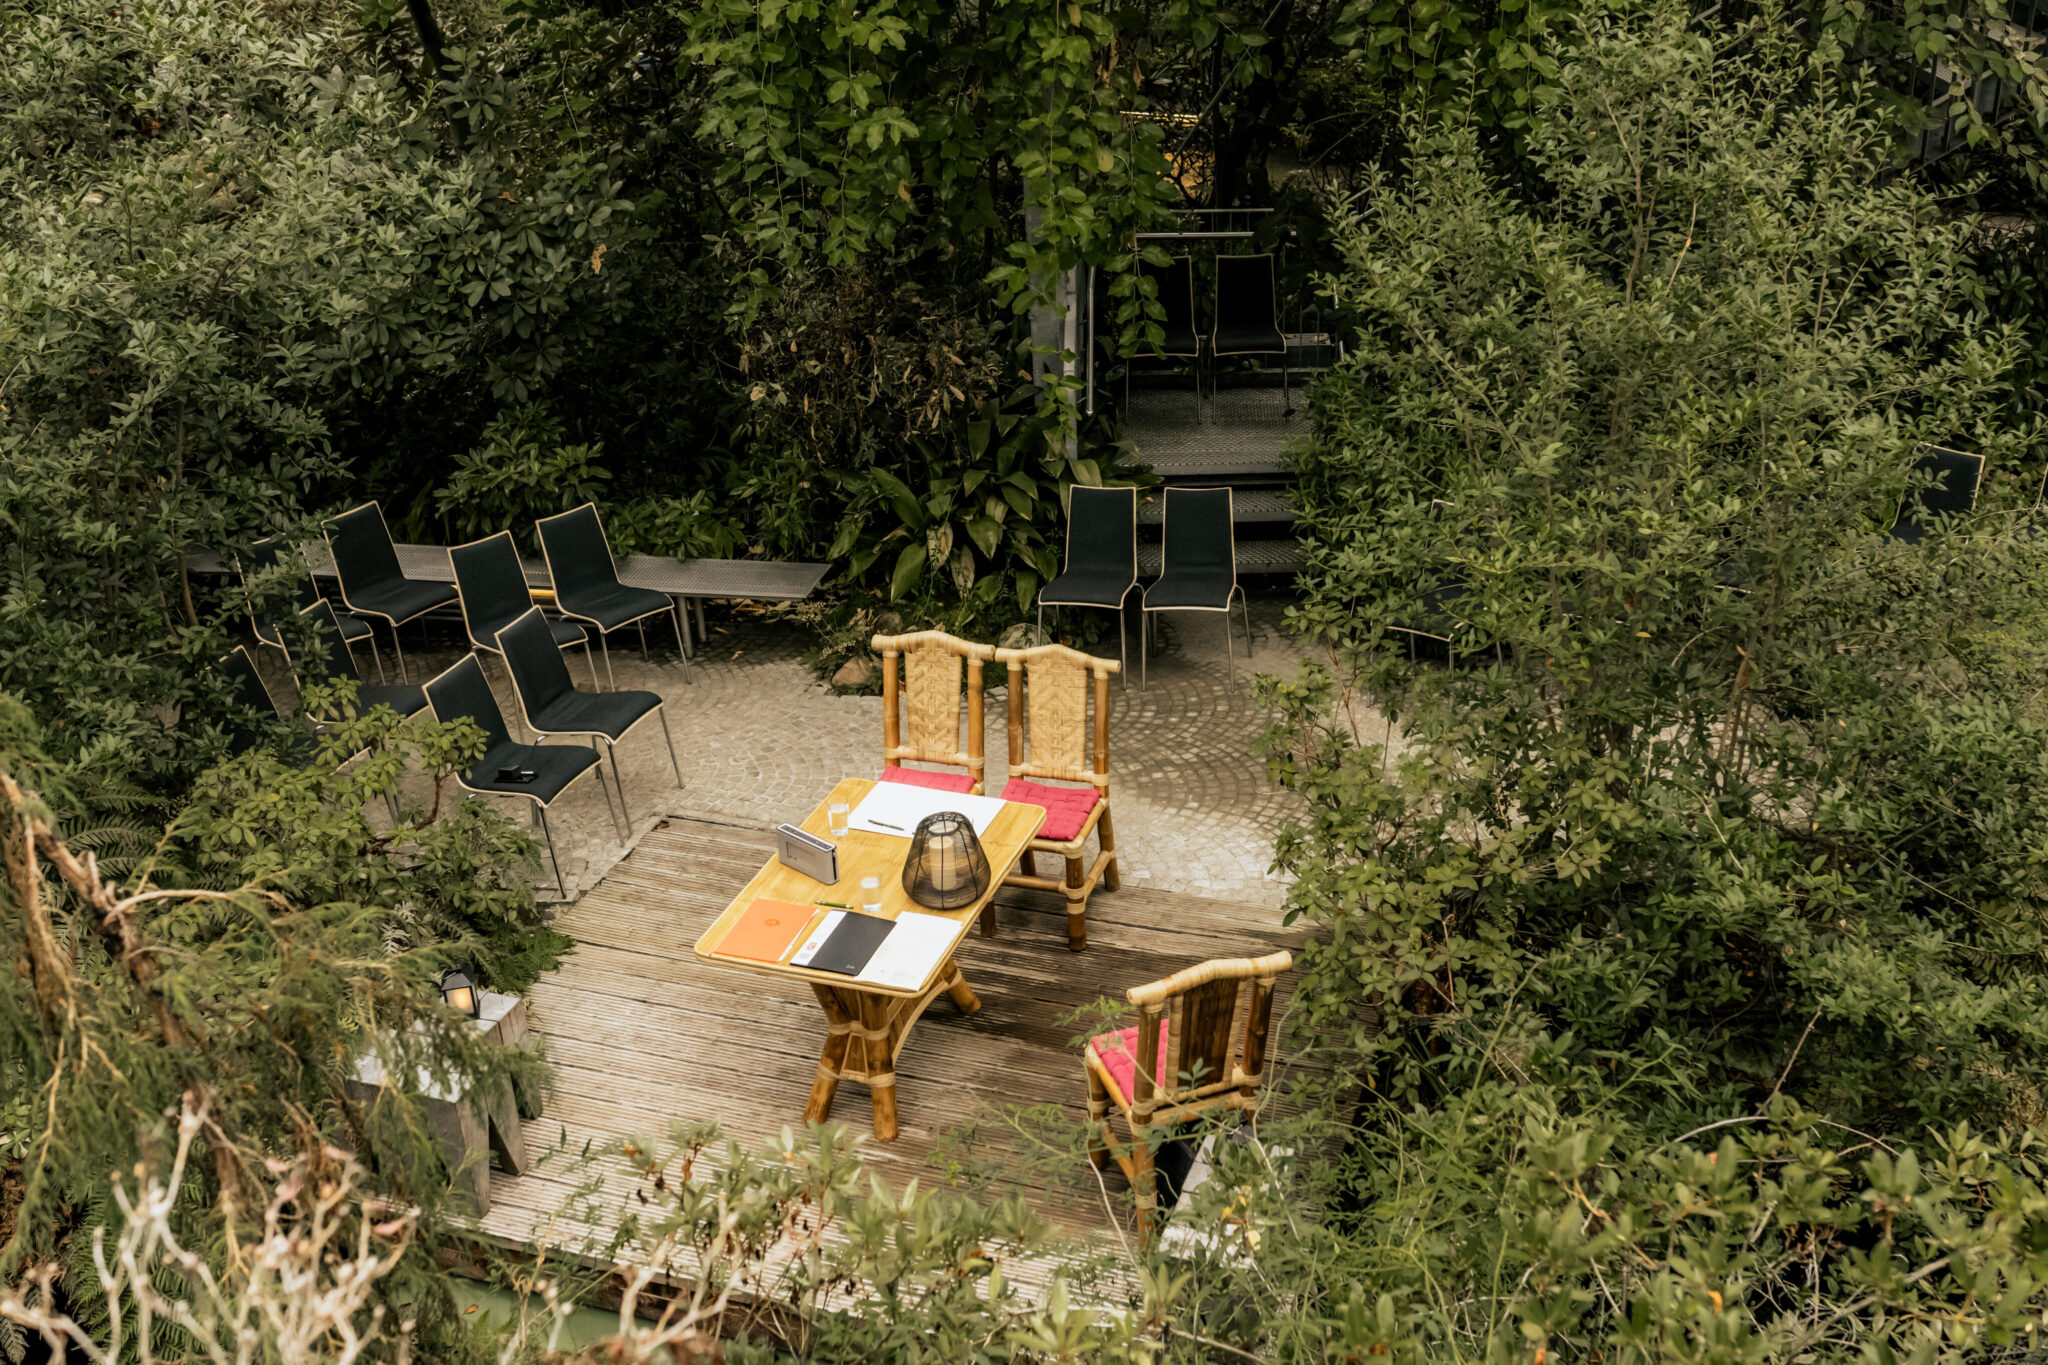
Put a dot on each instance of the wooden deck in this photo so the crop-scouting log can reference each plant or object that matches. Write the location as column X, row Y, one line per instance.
column 640, row 1032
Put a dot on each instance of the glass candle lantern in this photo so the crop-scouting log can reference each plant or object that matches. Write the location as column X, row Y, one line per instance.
column 947, row 868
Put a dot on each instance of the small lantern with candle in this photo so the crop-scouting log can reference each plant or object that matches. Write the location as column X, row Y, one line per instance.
column 947, row 868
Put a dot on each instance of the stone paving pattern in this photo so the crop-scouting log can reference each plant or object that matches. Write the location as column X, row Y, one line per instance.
column 761, row 741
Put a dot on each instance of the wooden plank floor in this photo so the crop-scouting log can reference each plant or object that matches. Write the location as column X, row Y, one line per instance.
column 640, row 1032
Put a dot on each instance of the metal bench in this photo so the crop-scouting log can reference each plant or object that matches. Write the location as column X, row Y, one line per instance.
column 689, row 581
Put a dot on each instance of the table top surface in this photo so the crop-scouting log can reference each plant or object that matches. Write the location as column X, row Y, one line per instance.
column 761, row 580
column 864, row 854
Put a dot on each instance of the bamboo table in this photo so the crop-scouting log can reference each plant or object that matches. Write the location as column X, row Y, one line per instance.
column 866, row 1024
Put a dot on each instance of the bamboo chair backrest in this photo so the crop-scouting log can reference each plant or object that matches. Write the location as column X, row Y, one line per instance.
column 921, row 714
column 1051, row 682
column 1211, row 1059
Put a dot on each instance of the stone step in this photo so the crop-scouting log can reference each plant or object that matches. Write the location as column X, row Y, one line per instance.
column 1253, row 557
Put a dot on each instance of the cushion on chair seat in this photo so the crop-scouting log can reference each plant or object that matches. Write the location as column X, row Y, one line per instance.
column 401, row 599
column 941, row 782
column 1191, row 588
column 1066, row 808
column 1118, row 1055
column 612, row 606
column 1086, row 588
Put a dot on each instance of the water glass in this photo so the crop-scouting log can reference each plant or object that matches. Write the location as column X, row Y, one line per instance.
column 871, row 895
column 835, row 819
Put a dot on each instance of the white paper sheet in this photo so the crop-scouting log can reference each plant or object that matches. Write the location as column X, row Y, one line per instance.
column 917, row 944
column 817, row 939
column 896, row 807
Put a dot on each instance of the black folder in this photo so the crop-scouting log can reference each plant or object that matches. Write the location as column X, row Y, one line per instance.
column 852, row 944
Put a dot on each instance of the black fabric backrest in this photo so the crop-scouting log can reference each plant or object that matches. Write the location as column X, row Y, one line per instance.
column 265, row 555
column 1198, row 530
column 1955, row 474
column 578, row 556
column 464, row 691
column 363, row 553
column 1102, row 530
column 1174, row 284
column 528, row 645
column 1244, row 293
column 330, row 658
column 250, row 695
column 492, row 586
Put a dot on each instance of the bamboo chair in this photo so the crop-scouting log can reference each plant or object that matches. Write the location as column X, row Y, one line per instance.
column 1176, row 1064
column 1056, row 679
column 925, row 707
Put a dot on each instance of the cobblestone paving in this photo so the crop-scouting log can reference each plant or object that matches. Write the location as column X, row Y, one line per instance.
column 760, row 741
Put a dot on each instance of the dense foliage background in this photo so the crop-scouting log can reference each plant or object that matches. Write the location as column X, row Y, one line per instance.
column 1678, row 927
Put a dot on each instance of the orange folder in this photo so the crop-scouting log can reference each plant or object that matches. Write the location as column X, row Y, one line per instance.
column 765, row 932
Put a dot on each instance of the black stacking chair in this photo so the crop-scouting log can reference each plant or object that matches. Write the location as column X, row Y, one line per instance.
column 291, row 743
column 265, row 555
column 1955, row 477
column 492, row 583
column 404, row 698
column 1431, row 613
column 1247, row 320
column 1174, row 288
column 463, row 691
column 1198, row 566
column 1101, row 565
column 372, row 584
column 550, row 704
column 587, row 586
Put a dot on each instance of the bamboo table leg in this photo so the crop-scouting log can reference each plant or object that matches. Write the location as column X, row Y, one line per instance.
column 838, row 1030
column 864, row 1032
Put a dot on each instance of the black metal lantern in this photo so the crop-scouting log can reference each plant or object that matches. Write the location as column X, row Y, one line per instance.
column 459, row 991
column 946, row 868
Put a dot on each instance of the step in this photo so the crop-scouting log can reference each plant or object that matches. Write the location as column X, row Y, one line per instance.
column 1240, row 432
column 1248, row 505
column 1253, row 557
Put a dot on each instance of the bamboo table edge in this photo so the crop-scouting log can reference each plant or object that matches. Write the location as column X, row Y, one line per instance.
column 894, row 899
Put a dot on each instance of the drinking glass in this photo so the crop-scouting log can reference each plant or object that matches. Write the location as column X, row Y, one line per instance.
column 835, row 819
column 871, row 895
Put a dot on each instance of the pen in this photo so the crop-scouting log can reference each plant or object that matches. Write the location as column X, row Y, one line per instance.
column 836, row 905
column 886, row 825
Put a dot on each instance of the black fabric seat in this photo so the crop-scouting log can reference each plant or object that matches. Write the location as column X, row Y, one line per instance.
column 494, row 593
column 406, row 699
column 586, row 580
column 1101, row 565
column 1948, row 482
column 1197, row 565
column 551, row 704
column 372, row 583
column 464, row 691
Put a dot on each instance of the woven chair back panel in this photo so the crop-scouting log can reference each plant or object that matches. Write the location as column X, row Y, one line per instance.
column 464, row 691
column 535, row 662
column 1198, row 530
column 492, row 584
column 1102, row 530
column 1201, row 1039
column 578, row 556
column 363, row 552
column 931, row 702
column 1056, row 698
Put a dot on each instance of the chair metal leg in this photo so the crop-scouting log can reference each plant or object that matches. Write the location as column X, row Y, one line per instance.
column 641, row 626
column 399, row 645
column 590, row 659
column 610, row 814
column 619, row 781
column 662, row 711
column 541, row 814
column 1229, row 648
column 689, row 670
column 1123, row 648
column 606, row 645
column 1144, row 651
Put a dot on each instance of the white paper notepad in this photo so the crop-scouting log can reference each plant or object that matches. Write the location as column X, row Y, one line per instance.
column 917, row 944
column 896, row 807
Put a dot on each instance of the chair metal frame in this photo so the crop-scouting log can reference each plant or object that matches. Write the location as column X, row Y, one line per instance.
column 1145, row 607
column 1923, row 455
column 1217, row 1049
column 1194, row 326
column 540, row 807
column 313, row 585
column 1216, row 353
column 1123, row 652
column 927, row 702
column 490, row 646
column 1057, row 708
column 320, row 604
column 610, row 744
column 673, row 608
column 327, row 531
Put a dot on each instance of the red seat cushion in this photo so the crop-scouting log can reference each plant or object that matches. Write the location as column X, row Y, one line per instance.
column 1116, row 1051
column 1066, row 808
column 918, row 777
